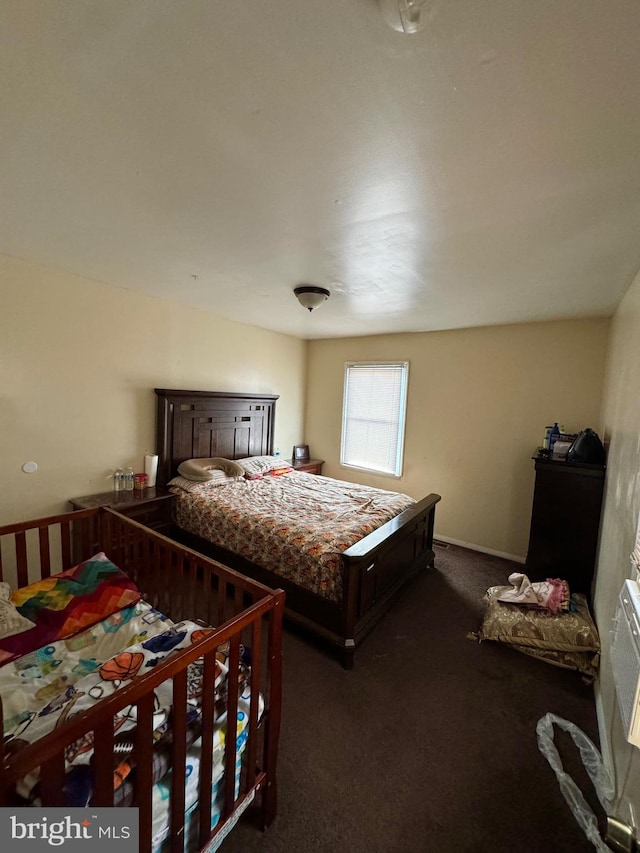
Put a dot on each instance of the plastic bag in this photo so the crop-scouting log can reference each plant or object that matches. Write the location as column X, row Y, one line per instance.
column 592, row 761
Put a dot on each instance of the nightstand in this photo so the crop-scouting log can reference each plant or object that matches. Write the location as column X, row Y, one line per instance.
column 151, row 507
column 310, row 466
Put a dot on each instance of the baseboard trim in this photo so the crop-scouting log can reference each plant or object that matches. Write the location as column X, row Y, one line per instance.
column 515, row 558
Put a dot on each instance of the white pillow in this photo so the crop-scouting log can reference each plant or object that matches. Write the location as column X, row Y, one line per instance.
column 262, row 464
column 213, row 468
column 11, row 622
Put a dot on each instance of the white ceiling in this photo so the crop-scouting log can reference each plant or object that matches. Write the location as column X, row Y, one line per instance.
column 484, row 170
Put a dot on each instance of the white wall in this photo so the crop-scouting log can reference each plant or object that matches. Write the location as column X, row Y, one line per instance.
column 478, row 402
column 78, row 364
column 621, row 417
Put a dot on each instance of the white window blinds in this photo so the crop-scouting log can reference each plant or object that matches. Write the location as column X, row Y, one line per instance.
column 373, row 415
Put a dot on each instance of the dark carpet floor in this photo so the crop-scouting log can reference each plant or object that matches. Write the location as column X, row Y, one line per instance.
column 428, row 745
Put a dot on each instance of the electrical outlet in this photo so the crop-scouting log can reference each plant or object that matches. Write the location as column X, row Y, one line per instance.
column 620, row 836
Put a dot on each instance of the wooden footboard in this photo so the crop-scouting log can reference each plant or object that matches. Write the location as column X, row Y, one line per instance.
column 181, row 583
column 376, row 570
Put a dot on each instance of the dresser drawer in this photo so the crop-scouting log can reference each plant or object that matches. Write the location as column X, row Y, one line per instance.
column 155, row 514
column 311, row 466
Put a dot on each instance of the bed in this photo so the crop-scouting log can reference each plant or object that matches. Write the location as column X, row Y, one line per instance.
column 146, row 675
column 373, row 570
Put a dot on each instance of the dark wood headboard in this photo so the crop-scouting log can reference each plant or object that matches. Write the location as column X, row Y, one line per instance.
column 198, row 424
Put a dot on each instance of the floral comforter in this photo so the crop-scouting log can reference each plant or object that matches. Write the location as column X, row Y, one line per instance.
column 296, row 525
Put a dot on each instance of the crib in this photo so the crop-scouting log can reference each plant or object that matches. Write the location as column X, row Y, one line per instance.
column 241, row 622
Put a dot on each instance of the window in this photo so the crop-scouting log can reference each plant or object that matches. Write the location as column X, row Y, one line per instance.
column 373, row 415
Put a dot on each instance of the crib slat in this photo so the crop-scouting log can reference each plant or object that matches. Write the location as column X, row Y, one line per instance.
column 52, row 781
column 45, row 553
column 103, row 764
column 22, row 566
column 222, row 601
column 65, row 544
column 165, row 564
column 256, row 651
column 144, row 768
column 272, row 724
column 206, row 754
column 179, row 750
column 85, row 533
column 194, row 604
column 206, row 596
column 232, row 726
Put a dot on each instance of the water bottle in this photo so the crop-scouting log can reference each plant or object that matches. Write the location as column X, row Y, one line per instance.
column 555, row 433
column 118, row 480
column 128, row 480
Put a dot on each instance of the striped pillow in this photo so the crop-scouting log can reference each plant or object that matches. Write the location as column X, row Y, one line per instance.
column 202, row 485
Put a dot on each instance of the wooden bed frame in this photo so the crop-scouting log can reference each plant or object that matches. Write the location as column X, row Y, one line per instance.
column 199, row 424
column 182, row 584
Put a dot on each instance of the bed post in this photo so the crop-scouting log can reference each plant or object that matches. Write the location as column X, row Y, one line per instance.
column 272, row 725
column 350, row 586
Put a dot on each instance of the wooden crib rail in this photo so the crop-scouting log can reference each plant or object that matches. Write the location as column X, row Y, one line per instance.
column 175, row 579
column 48, row 752
column 31, row 550
column 183, row 584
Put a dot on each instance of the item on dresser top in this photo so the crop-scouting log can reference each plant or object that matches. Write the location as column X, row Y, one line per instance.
column 140, row 481
column 587, row 448
column 300, row 453
column 553, row 436
column 561, row 448
column 151, row 469
column 118, row 480
column 128, row 479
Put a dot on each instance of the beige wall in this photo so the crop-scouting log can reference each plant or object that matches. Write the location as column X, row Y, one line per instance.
column 479, row 400
column 78, row 364
column 621, row 416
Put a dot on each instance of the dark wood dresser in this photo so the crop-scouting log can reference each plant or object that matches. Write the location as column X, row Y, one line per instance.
column 151, row 507
column 565, row 522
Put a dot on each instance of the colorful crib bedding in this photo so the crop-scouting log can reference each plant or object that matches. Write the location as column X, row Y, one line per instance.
column 46, row 686
column 294, row 524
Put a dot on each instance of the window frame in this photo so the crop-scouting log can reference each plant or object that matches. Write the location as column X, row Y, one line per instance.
column 397, row 473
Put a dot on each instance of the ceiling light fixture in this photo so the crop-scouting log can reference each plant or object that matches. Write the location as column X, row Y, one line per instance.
column 310, row 296
column 405, row 16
